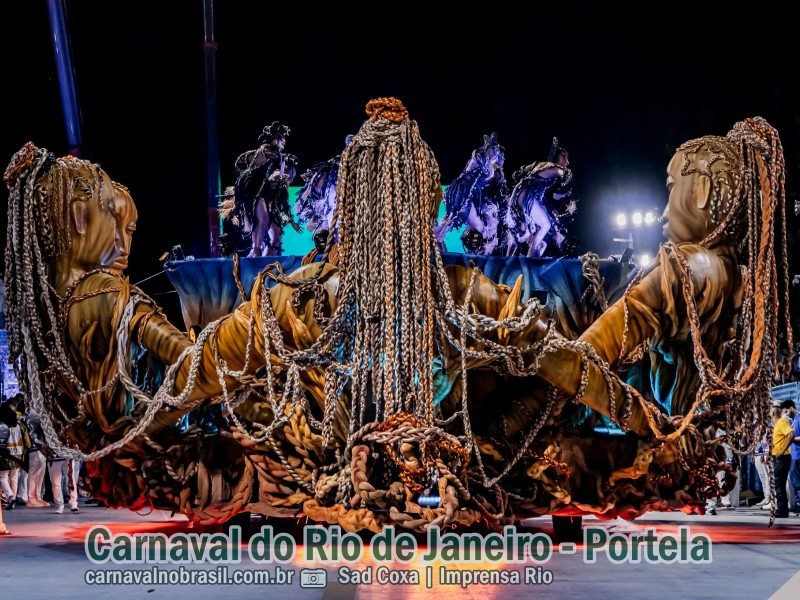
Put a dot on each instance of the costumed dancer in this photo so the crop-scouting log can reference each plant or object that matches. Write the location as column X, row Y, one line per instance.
column 316, row 200
column 59, row 469
column 474, row 198
column 14, row 442
column 541, row 207
column 8, row 458
column 261, row 202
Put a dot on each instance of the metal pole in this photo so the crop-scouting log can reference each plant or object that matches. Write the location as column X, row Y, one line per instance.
column 214, row 178
column 66, row 76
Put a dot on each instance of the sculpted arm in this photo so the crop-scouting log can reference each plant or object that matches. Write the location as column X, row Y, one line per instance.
column 562, row 368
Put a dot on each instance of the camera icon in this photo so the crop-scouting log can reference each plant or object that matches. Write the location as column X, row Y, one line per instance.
column 313, row 578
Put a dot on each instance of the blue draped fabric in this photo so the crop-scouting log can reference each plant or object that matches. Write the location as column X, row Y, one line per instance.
column 208, row 291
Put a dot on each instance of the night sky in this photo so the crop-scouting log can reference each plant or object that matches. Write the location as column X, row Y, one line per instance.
column 621, row 91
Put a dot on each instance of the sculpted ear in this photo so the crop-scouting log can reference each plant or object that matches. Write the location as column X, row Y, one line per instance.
column 81, row 193
column 79, row 216
column 702, row 188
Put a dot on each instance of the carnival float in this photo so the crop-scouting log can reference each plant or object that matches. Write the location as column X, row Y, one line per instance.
column 382, row 381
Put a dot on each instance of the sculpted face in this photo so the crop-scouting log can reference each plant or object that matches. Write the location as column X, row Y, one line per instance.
column 93, row 234
column 88, row 220
column 687, row 216
column 125, row 215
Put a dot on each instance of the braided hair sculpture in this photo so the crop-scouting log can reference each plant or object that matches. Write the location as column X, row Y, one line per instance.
column 747, row 203
column 42, row 189
column 395, row 311
column 747, row 210
column 38, row 234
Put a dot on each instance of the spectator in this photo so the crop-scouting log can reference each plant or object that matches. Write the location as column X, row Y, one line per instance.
column 762, row 456
column 17, row 403
column 794, row 474
column 36, row 460
column 14, row 442
column 782, row 438
column 58, row 469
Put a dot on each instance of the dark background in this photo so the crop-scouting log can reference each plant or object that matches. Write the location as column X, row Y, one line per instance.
column 621, row 88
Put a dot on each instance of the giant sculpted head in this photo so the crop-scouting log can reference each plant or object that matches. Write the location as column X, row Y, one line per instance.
column 64, row 215
column 702, row 178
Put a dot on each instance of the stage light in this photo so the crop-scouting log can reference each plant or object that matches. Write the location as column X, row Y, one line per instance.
column 644, row 260
column 636, row 218
column 649, row 217
column 622, row 220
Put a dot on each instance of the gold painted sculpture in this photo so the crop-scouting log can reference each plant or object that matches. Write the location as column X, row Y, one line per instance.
column 126, row 216
column 65, row 303
column 350, row 391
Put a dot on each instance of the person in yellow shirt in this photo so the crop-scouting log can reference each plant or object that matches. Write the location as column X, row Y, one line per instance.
column 782, row 439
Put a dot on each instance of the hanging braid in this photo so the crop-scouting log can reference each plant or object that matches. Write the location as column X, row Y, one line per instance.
column 764, row 192
column 396, row 308
column 387, row 181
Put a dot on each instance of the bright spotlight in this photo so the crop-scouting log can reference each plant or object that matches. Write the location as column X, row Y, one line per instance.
column 622, row 220
column 649, row 217
column 644, row 260
column 636, row 218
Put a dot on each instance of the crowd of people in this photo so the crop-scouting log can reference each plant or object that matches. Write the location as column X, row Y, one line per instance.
column 752, row 471
column 26, row 462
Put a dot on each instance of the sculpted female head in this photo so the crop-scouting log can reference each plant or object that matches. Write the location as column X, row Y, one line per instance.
column 702, row 179
column 61, row 223
column 126, row 215
column 64, row 205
